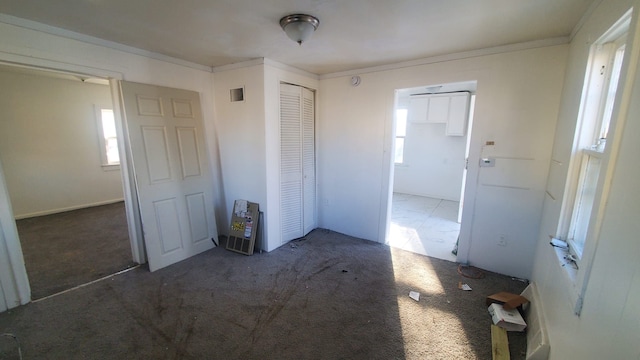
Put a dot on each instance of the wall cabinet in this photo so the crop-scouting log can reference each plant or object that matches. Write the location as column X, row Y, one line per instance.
column 450, row 109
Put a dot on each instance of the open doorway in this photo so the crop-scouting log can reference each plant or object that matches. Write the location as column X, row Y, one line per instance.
column 65, row 188
column 432, row 127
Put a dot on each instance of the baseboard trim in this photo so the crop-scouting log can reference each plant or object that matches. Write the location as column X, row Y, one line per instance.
column 70, row 208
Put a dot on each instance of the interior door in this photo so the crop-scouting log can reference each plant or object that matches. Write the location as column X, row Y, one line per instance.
column 291, row 210
column 173, row 179
column 297, row 161
column 308, row 160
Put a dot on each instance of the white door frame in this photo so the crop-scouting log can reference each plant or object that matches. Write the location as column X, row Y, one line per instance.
column 469, row 186
column 14, row 283
column 132, row 207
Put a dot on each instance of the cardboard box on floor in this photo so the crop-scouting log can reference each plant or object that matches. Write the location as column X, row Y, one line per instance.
column 507, row 300
column 504, row 313
column 510, row 320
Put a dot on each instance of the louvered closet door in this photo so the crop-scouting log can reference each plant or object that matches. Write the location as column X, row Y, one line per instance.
column 308, row 161
column 297, row 162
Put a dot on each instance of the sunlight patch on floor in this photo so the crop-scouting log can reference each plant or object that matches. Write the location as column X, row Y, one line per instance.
column 424, row 225
column 420, row 320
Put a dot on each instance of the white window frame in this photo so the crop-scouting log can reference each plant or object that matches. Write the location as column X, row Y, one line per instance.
column 592, row 154
column 106, row 165
column 587, row 147
column 397, row 136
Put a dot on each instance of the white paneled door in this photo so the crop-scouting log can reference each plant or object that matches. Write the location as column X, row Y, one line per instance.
column 171, row 168
column 297, row 162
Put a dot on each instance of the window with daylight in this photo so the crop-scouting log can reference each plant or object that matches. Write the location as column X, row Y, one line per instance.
column 401, row 133
column 590, row 166
column 108, row 138
column 597, row 108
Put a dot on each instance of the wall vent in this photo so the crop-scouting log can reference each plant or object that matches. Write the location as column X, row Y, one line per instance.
column 237, row 94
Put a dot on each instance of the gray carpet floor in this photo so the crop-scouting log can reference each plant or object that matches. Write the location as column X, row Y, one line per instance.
column 327, row 296
column 71, row 248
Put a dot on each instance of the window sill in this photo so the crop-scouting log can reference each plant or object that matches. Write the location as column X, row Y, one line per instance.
column 111, row 167
column 568, row 266
column 569, row 278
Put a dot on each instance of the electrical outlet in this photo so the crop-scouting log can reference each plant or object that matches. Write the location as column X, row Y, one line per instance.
column 502, row 240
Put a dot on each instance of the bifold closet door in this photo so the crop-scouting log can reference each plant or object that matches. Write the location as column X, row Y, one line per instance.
column 297, row 162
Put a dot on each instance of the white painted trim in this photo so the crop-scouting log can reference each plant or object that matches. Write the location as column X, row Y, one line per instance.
column 70, row 208
column 14, row 283
column 32, row 62
column 33, row 25
column 388, row 171
column 238, row 65
column 132, row 208
column 264, row 61
column 112, row 167
column 455, row 56
column 290, row 68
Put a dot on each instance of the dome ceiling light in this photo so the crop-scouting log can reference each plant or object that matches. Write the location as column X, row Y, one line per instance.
column 299, row 27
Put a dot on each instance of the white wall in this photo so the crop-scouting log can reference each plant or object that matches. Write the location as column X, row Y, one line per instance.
column 49, row 144
column 26, row 46
column 516, row 106
column 242, row 137
column 609, row 324
column 433, row 162
column 250, row 138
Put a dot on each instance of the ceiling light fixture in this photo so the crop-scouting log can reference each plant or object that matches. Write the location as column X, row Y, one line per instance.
column 299, row 27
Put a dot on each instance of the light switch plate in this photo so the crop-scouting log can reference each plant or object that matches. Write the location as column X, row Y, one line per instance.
column 488, row 162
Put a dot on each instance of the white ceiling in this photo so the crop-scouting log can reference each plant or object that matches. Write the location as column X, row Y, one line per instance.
column 353, row 34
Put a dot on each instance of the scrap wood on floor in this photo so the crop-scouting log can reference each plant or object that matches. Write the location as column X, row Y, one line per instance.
column 499, row 343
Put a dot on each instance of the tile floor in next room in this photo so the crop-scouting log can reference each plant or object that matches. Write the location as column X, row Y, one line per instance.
column 424, row 225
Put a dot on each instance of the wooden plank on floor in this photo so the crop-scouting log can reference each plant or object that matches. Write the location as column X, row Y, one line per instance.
column 499, row 343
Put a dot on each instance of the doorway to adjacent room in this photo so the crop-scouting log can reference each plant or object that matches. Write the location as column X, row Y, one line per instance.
column 63, row 178
column 432, row 127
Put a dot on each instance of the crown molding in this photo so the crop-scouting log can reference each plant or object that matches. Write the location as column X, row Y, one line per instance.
column 455, row 56
column 238, row 65
column 52, row 30
column 266, row 62
column 290, row 68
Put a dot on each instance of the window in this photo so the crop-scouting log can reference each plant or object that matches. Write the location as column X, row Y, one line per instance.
column 108, row 138
column 591, row 165
column 401, row 133
column 592, row 136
